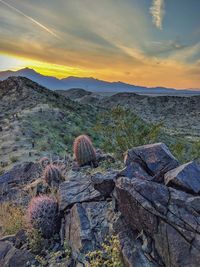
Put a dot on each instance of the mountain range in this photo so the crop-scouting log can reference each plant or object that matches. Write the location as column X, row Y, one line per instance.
column 91, row 84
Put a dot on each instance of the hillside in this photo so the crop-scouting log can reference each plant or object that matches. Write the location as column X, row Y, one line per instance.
column 36, row 121
column 179, row 115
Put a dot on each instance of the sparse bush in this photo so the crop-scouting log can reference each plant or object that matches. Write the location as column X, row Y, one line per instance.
column 13, row 159
column 11, row 218
column 35, row 240
column 84, row 151
column 43, row 215
column 109, row 255
column 121, row 130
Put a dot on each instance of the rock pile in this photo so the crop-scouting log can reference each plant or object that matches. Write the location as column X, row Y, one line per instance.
column 153, row 205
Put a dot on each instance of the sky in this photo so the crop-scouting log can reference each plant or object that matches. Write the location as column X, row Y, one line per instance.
column 142, row 42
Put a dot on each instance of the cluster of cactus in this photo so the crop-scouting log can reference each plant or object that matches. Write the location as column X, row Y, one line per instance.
column 84, row 151
column 43, row 216
column 52, row 174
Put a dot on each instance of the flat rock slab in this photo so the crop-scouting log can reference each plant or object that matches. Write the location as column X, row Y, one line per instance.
column 87, row 226
column 185, row 177
column 169, row 217
column 76, row 190
column 155, row 159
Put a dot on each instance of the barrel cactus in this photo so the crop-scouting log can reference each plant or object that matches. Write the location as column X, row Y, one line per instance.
column 43, row 216
column 52, row 174
column 84, row 151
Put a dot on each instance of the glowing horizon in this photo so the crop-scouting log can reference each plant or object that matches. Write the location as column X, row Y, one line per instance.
column 131, row 42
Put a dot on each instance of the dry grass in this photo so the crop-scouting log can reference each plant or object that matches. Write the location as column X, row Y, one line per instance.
column 11, row 219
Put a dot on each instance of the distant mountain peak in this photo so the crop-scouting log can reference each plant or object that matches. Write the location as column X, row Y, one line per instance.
column 89, row 83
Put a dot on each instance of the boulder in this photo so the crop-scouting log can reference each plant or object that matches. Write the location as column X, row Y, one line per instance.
column 12, row 257
column 13, row 182
column 87, row 226
column 136, row 249
column 185, row 177
column 104, row 182
column 155, row 159
column 169, row 217
column 135, row 170
column 78, row 188
column 22, row 173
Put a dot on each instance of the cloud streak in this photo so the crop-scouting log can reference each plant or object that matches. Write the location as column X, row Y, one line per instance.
column 30, row 19
column 157, row 11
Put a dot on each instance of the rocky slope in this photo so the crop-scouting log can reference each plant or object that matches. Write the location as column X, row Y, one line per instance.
column 152, row 205
column 180, row 115
column 34, row 121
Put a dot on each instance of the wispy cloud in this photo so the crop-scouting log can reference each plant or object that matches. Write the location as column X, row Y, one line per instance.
column 30, row 19
column 157, row 11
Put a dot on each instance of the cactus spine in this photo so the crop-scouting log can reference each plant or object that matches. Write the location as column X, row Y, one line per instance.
column 84, row 151
column 43, row 216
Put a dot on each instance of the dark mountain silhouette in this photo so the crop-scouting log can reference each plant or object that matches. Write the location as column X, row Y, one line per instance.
column 89, row 84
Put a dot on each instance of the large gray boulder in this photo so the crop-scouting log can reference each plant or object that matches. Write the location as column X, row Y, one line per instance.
column 87, row 226
column 13, row 182
column 104, row 182
column 155, row 159
column 77, row 189
column 185, row 177
column 170, row 219
column 22, row 173
column 12, row 257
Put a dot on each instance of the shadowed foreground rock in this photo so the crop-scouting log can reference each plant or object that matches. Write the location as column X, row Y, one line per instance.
column 152, row 205
column 157, row 225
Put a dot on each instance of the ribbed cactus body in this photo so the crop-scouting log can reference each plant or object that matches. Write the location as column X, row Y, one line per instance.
column 84, row 151
column 43, row 215
column 52, row 174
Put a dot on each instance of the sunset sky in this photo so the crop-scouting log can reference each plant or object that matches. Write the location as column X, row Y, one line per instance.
column 142, row 42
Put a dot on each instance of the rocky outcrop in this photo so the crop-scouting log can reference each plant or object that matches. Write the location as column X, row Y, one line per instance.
column 157, row 225
column 13, row 182
column 152, row 205
column 12, row 257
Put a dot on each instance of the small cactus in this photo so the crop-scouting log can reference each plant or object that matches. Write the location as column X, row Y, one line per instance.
column 84, row 151
column 52, row 174
column 43, row 216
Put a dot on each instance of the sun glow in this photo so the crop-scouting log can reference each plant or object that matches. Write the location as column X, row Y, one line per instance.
column 9, row 62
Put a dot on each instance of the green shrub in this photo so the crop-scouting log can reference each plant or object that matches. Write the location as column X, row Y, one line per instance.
column 121, row 130
column 108, row 256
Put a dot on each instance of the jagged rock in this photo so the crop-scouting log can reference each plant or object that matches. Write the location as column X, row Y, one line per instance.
column 87, row 226
column 104, row 182
column 169, row 217
column 134, row 170
column 77, row 189
column 12, row 183
column 155, row 159
column 186, row 177
column 12, row 257
column 134, row 252
column 21, row 173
